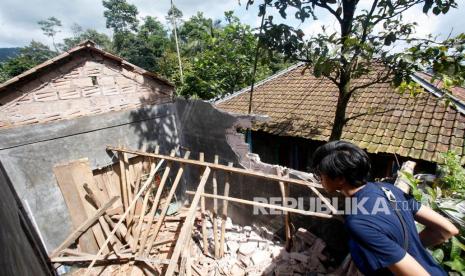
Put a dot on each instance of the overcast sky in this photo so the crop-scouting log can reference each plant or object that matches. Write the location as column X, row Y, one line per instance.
column 18, row 18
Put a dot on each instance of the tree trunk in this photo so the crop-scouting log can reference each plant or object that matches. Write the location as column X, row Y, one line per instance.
column 340, row 116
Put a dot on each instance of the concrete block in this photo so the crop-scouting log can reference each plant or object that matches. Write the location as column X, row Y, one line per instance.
column 248, row 248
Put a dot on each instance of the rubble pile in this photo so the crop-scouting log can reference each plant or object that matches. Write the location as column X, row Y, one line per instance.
column 253, row 250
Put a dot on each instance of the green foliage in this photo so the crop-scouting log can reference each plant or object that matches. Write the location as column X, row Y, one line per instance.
column 50, row 28
column 362, row 43
column 29, row 56
column 100, row 39
column 223, row 57
column 147, row 47
column 453, row 175
column 451, row 183
column 120, row 15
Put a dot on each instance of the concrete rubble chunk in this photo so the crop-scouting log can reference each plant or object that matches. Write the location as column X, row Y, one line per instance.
column 260, row 257
column 299, row 257
column 306, row 236
column 248, row 248
column 232, row 246
column 236, row 270
column 253, row 250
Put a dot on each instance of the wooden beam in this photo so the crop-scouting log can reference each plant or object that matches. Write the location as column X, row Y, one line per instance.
column 124, row 190
column 284, row 187
column 203, row 214
column 225, row 211
column 215, row 213
column 221, row 167
column 83, row 227
column 265, row 205
column 187, row 226
column 133, row 203
column 161, row 217
column 155, row 202
column 86, row 259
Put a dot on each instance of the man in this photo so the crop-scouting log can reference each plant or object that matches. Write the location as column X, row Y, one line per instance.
column 383, row 240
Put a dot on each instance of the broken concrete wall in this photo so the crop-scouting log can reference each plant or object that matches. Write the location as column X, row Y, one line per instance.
column 204, row 128
column 30, row 152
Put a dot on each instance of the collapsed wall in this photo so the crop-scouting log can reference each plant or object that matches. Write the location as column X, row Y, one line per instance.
column 30, row 152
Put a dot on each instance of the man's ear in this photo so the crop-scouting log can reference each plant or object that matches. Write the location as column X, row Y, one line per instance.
column 340, row 182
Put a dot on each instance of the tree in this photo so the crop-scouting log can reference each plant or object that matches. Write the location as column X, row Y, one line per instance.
column 100, row 39
column 224, row 63
column 147, row 47
column 357, row 48
column 30, row 56
column 122, row 18
column 50, row 28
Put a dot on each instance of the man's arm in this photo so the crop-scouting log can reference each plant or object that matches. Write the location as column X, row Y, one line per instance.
column 407, row 266
column 437, row 228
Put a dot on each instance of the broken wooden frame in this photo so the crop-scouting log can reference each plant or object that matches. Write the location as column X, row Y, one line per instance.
column 134, row 229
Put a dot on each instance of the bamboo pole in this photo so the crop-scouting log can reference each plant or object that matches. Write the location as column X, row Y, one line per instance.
column 225, row 211
column 215, row 212
column 265, row 205
column 284, row 187
column 203, row 216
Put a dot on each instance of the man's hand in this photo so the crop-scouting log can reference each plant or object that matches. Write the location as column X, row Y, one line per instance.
column 437, row 228
column 407, row 266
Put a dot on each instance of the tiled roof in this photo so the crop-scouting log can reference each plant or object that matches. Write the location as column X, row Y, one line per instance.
column 302, row 105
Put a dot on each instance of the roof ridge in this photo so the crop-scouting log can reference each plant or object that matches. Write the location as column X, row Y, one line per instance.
column 431, row 88
column 243, row 90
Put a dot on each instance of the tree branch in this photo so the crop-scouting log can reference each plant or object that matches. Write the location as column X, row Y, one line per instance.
column 367, row 113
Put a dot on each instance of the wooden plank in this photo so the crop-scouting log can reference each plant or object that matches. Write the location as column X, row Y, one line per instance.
column 284, row 187
column 133, row 203
column 105, row 220
column 83, row 227
column 124, row 191
column 246, row 172
column 129, row 179
column 67, row 176
column 215, row 212
column 85, row 259
column 162, row 215
column 154, row 208
column 203, row 214
column 265, row 205
column 225, row 211
column 187, row 226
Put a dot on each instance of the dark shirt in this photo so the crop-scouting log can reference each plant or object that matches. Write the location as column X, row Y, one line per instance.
column 376, row 239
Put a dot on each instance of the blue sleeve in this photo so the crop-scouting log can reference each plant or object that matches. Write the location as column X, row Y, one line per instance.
column 378, row 249
column 413, row 204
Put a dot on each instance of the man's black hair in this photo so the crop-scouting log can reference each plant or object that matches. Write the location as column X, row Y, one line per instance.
column 342, row 159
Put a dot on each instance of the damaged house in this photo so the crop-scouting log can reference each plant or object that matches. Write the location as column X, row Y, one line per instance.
column 390, row 126
column 104, row 171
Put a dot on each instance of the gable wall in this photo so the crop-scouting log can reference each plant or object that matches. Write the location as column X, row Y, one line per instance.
column 67, row 91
